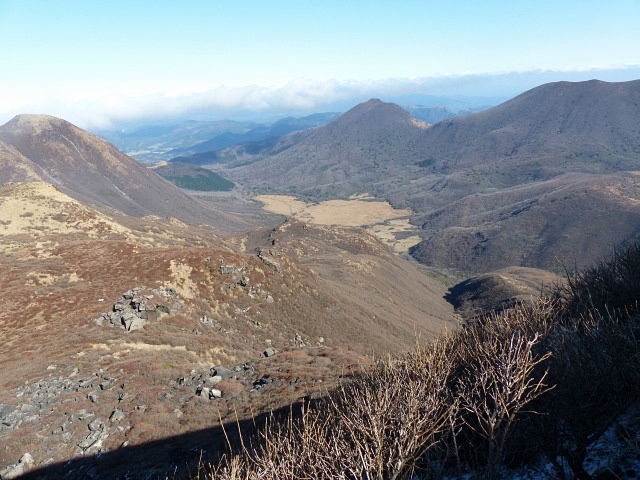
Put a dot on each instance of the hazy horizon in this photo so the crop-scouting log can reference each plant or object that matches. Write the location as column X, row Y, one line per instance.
column 100, row 63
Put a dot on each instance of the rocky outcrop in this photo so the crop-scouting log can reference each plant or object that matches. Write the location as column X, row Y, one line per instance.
column 208, row 393
column 268, row 259
column 139, row 306
column 234, row 277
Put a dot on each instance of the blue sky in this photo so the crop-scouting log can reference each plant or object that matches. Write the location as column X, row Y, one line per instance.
column 98, row 61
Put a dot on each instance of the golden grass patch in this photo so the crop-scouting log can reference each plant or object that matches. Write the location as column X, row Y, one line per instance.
column 384, row 221
column 181, row 274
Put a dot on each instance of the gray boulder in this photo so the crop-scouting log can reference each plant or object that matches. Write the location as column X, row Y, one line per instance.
column 117, row 415
column 223, row 372
column 269, row 352
column 24, row 464
column 213, row 380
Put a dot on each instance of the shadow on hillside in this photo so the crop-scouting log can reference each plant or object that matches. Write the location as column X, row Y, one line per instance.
column 169, row 458
column 475, row 297
column 453, row 294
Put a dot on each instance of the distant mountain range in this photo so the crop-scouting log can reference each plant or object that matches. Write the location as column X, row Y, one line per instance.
column 148, row 144
column 190, row 138
column 201, row 141
column 257, row 133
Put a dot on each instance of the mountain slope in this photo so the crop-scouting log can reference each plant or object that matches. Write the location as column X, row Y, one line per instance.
column 322, row 298
column 565, row 223
column 89, row 169
column 501, row 289
column 15, row 167
column 561, row 124
column 357, row 148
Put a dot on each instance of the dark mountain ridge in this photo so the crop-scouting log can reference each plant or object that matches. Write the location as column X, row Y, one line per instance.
column 591, row 122
column 543, row 179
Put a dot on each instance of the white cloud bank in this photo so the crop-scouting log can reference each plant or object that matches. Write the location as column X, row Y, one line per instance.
column 296, row 97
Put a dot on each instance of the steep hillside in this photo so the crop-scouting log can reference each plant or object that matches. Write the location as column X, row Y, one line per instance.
column 546, row 389
column 558, row 224
column 500, row 290
column 15, row 167
column 89, row 169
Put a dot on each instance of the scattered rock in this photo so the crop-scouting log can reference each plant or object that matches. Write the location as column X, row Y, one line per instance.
column 208, row 393
column 117, row 415
column 24, row 464
column 269, row 352
column 81, row 415
column 91, row 439
column 106, row 385
column 261, row 382
column 96, row 425
column 213, row 380
column 7, row 417
column 139, row 306
column 237, row 274
column 165, row 396
column 223, row 372
column 202, row 391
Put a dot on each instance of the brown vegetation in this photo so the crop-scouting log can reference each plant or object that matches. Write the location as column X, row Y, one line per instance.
column 538, row 379
column 328, row 298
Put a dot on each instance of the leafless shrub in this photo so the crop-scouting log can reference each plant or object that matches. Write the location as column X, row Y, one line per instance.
column 612, row 284
column 396, row 417
column 498, row 384
column 403, row 417
column 546, row 377
column 595, row 370
column 383, row 425
column 594, row 339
